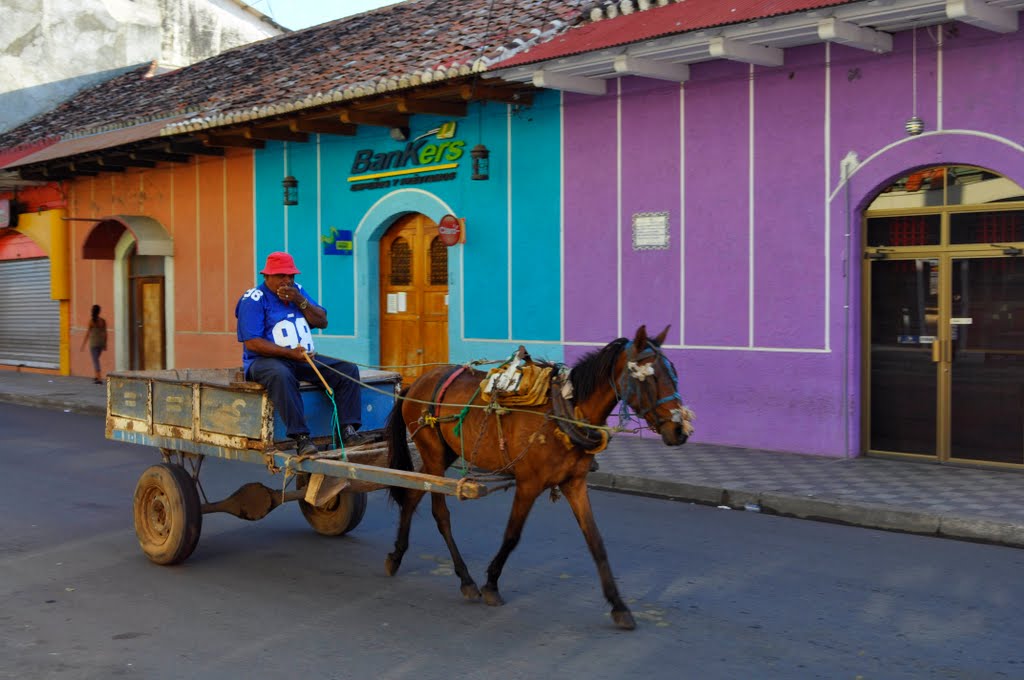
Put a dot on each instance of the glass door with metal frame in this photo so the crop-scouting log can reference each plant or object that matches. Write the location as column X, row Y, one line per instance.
column 944, row 318
column 986, row 360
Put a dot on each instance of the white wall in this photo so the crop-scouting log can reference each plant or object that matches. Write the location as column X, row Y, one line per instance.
column 50, row 49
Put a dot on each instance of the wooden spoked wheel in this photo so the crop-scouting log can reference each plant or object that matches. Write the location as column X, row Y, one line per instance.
column 168, row 515
column 342, row 514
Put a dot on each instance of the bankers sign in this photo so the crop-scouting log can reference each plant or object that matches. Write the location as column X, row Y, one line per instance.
column 432, row 157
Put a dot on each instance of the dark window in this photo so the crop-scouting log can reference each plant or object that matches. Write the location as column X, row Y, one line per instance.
column 401, row 263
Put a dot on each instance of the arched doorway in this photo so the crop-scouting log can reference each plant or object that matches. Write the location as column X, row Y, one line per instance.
column 944, row 317
column 413, row 296
column 142, row 252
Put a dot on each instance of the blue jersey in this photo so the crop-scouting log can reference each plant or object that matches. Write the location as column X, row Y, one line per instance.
column 261, row 314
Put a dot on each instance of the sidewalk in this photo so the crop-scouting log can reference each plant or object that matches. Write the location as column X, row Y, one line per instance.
column 939, row 500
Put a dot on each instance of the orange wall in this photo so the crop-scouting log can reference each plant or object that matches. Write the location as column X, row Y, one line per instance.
column 206, row 206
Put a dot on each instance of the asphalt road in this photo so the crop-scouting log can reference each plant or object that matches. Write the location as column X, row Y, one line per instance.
column 716, row 593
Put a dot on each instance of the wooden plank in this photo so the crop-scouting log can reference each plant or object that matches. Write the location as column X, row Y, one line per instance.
column 172, row 404
column 129, row 398
column 227, row 411
column 357, row 472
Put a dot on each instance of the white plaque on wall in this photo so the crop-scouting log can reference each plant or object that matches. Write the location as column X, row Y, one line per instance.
column 650, row 231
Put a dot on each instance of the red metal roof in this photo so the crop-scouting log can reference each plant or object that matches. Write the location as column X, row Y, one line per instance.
column 9, row 156
column 656, row 22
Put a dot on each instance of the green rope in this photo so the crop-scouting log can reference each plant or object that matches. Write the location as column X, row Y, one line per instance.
column 458, row 431
column 336, row 438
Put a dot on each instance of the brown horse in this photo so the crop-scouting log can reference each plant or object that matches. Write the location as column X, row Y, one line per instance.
column 526, row 442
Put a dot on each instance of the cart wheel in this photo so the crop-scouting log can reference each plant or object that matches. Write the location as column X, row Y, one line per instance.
column 168, row 516
column 341, row 515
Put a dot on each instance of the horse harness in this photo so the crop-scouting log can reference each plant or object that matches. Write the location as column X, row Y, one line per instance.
column 573, row 427
column 637, row 371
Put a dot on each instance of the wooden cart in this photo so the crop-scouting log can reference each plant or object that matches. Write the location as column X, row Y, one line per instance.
column 189, row 414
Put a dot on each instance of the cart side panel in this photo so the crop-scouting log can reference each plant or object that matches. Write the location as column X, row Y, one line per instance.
column 129, row 398
column 172, row 404
column 232, row 412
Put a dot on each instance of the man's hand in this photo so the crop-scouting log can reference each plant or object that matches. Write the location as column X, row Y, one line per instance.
column 298, row 354
column 290, row 294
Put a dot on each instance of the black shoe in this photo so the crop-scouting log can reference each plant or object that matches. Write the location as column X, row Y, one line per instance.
column 349, row 437
column 594, row 467
column 303, row 446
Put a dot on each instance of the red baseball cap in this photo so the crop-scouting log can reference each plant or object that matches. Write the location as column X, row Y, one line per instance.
column 280, row 263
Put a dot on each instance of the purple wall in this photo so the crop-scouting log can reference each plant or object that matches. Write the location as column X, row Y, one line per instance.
column 650, row 183
column 717, row 205
column 784, row 372
column 590, row 217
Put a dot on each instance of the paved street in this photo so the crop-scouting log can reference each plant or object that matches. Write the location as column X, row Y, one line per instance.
column 717, row 593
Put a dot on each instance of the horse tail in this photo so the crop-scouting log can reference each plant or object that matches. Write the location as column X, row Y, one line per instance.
column 399, row 456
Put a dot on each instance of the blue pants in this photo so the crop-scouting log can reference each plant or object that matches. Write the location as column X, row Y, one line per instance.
column 281, row 379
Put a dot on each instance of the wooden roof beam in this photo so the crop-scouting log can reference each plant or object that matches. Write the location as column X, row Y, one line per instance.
column 45, row 174
column 233, row 141
column 323, row 126
column 431, row 107
column 94, row 165
column 481, row 92
column 128, row 161
column 158, row 156
column 379, row 118
column 190, row 146
column 508, row 95
column 275, row 133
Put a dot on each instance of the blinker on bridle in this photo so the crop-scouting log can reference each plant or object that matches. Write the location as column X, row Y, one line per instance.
column 636, row 371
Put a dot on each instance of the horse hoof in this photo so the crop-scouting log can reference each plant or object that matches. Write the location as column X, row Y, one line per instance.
column 391, row 564
column 493, row 598
column 471, row 592
column 624, row 619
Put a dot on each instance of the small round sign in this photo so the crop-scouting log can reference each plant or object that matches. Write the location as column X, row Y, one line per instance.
column 449, row 229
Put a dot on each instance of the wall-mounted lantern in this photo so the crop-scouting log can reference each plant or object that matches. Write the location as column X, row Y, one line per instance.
column 481, row 162
column 291, row 190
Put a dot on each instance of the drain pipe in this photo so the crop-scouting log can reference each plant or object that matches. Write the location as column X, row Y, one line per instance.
column 846, row 168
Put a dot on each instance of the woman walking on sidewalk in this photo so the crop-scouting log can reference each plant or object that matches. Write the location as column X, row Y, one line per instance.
column 96, row 336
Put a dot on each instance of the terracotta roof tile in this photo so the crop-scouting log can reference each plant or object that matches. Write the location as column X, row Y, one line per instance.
column 394, row 46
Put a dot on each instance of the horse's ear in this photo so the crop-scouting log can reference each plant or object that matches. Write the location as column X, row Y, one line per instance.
column 660, row 339
column 641, row 338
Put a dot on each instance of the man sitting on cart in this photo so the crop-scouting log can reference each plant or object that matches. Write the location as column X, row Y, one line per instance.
column 274, row 326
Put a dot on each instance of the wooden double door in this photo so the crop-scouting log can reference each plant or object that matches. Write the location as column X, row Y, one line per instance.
column 413, row 297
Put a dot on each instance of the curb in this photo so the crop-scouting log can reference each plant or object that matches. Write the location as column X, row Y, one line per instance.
column 73, row 405
column 865, row 515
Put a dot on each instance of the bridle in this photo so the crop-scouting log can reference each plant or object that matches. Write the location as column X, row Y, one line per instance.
column 638, row 368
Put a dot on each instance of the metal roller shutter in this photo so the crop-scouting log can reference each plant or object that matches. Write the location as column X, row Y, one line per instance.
column 29, row 319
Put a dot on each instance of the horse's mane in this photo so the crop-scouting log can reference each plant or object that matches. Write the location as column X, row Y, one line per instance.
column 594, row 368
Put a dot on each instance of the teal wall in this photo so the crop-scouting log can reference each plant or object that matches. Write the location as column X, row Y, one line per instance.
column 504, row 283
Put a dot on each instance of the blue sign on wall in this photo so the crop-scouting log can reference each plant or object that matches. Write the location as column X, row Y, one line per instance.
column 338, row 242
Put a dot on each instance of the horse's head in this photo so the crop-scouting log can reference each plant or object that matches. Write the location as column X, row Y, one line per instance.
column 647, row 382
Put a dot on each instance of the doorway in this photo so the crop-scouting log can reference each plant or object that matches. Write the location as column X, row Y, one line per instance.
column 146, row 313
column 413, row 297
column 944, row 318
